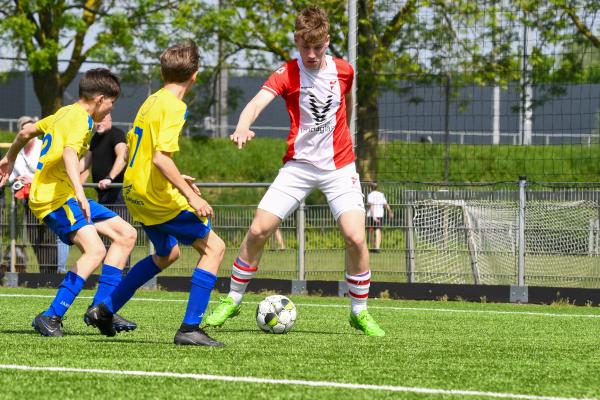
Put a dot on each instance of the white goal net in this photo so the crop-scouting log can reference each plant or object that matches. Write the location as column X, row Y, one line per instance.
column 477, row 241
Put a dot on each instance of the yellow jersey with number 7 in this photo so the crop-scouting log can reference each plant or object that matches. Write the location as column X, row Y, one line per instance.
column 150, row 197
column 71, row 126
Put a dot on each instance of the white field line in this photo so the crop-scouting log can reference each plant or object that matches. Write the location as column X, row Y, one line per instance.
column 292, row 382
column 443, row 310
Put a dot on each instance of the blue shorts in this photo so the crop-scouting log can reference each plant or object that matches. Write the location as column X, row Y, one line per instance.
column 69, row 218
column 184, row 228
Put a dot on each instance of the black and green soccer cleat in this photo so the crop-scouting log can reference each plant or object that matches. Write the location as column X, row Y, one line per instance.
column 225, row 310
column 364, row 322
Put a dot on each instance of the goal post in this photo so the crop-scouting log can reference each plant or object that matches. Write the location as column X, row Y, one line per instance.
column 464, row 241
column 483, row 241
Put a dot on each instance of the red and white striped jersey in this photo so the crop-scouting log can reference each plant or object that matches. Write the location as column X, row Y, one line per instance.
column 315, row 100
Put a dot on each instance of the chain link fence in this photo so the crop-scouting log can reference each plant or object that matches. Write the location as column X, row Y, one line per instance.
column 458, row 234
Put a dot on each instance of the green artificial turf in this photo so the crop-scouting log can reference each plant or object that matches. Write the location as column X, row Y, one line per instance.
column 500, row 348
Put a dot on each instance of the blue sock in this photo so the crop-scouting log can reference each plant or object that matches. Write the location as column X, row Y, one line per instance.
column 203, row 283
column 67, row 291
column 142, row 272
column 109, row 280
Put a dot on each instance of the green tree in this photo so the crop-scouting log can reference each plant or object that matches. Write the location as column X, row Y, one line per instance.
column 426, row 42
column 448, row 43
column 572, row 53
column 388, row 33
column 120, row 33
column 262, row 32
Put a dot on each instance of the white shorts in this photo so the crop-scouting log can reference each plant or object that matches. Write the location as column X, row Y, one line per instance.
column 296, row 180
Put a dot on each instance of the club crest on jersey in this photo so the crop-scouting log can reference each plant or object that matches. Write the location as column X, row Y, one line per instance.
column 319, row 108
column 332, row 85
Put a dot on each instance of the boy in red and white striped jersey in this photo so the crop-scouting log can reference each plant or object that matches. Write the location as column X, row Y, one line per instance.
column 317, row 92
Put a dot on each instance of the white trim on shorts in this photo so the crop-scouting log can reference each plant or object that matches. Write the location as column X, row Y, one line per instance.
column 296, row 180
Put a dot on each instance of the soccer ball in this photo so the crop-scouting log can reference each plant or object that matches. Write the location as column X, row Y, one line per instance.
column 276, row 314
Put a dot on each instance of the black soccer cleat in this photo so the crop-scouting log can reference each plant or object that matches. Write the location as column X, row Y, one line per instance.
column 197, row 337
column 119, row 323
column 101, row 318
column 47, row 326
column 122, row 325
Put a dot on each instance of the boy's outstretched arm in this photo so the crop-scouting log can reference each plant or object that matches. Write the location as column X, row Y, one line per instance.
column 8, row 161
column 166, row 165
column 249, row 114
column 71, row 160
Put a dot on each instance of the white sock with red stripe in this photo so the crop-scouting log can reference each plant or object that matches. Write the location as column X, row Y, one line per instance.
column 358, row 290
column 241, row 274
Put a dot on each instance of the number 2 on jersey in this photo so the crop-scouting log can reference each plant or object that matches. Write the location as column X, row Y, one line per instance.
column 137, row 131
column 46, row 143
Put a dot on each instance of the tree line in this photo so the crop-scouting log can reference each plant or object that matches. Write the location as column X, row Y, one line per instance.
column 443, row 42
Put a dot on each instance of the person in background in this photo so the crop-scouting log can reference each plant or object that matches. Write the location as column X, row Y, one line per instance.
column 108, row 157
column 51, row 257
column 278, row 238
column 27, row 159
column 376, row 201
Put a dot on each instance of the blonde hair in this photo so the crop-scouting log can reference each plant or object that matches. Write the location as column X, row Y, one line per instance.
column 179, row 62
column 312, row 25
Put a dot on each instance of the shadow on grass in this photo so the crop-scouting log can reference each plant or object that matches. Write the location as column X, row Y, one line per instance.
column 123, row 338
column 227, row 330
column 319, row 332
column 30, row 332
column 165, row 343
column 256, row 331
column 90, row 333
column 120, row 340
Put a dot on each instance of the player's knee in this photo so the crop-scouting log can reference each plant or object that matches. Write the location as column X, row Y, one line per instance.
column 257, row 233
column 217, row 248
column 130, row 236
column 355, row 240
column 98, row 253
column 165, row 261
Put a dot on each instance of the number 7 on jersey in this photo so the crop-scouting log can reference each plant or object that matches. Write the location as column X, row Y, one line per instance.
column 137, row 131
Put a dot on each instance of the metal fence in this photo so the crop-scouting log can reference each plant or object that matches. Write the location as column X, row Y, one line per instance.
column 208, row 128
column 511, row 234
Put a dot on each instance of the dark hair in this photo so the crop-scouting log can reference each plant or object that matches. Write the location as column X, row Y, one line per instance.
column 312, row 25
column 99, row 81
column 179, row 62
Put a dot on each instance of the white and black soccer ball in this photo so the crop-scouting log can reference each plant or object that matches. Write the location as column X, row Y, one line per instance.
column 276, row 314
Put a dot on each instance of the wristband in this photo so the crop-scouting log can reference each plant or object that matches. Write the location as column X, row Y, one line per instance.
column 108, row 177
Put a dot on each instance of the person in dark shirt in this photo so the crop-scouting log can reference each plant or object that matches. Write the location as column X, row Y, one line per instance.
column 108, row 157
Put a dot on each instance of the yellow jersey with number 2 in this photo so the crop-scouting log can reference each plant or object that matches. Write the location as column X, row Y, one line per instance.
column 150, row 197
column 71, row 126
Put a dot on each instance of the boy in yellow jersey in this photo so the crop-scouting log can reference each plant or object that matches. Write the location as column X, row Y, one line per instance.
column 57, row 197
column 166, row 203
